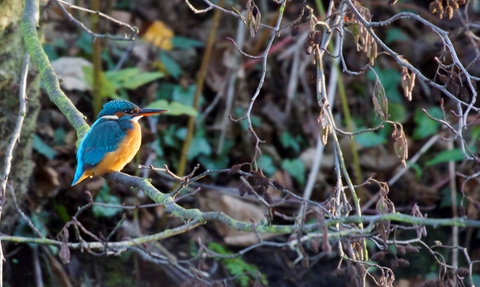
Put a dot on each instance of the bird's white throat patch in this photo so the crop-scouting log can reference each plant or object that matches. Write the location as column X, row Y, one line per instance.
column 110, row 117
column 135, row 119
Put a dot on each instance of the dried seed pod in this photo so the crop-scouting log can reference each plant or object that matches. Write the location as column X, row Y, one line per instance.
column 235, row 169
column 378, row 256
column 317, row 37
column 453, row 87
column 295, row 31
column 400, row 250
column 463, row 272
column 242, row 189
column 474, row 84
column 452, row 3
column 436, row 94
column 464, row 95
column 443, row 78
column 436, row 7
column 278, row 185
column 449, row 12
column 307, row 47
column 411, row 249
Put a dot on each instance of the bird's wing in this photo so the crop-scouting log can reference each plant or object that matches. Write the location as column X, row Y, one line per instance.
column 102, row 138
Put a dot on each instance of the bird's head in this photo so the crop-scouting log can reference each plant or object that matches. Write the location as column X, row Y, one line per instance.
column 118, row 109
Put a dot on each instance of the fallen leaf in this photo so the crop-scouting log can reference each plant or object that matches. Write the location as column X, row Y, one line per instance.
column 70, row 71
column 237, row 209
column 159, row 35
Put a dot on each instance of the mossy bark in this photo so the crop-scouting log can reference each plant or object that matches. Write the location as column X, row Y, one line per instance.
column 12, row 51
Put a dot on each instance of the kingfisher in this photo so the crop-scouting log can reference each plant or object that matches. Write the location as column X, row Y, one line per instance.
column 113, row 140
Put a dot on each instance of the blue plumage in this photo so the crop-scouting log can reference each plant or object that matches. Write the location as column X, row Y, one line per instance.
column 114, row 124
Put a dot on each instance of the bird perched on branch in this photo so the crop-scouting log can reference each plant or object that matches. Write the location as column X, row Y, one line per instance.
column 112, row 141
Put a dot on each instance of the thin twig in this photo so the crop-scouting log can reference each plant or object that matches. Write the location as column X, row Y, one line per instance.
column 69, row 16
column 11, row 145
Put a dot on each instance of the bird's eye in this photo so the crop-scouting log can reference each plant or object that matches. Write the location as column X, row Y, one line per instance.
column 127, row 111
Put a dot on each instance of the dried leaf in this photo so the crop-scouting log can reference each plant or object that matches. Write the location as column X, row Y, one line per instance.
column 408, row 82
column 372, row 55
column 380, row 101
column 252, row 18
column 70, row 70
column 401, row 143
column 159, row 35
column 237, row 209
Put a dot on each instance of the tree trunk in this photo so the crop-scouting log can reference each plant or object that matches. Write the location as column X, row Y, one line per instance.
column 12, row 51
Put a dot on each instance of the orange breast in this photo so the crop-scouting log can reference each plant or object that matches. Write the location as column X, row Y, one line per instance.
column 128, row 148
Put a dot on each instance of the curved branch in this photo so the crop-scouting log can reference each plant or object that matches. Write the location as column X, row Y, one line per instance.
column 48, row 75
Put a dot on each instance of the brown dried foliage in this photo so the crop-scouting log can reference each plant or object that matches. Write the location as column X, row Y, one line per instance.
column 445, row 8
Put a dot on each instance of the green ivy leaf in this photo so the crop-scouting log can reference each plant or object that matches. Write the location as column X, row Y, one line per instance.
column 179, row 42
column 104, row 196
column 425, row 126
column 174, row 108
column 108, row 88
column 289, row 142
column 213, row 162
column 170, row 65
column 199, row 146
column 447, row 198
column 141, row 79
column 390, row 79
column 132, row 78
column 448, row 155
column 396, row 34
column 370, row 139
column 40, row 146
column 397, row 112
column 267, row 165
column 295, row 168
column 185, row 95
column 59, row 136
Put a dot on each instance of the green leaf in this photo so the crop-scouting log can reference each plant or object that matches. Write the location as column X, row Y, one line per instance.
column 213, row 162
column 390, row 79
column 199, row 146
column 267, row 165
column 295, row 168
column 104, row 196
column 59, row 136
column 447, row 155
column 51, row 52
column 185, row 43
column 397, row 112
column 121, row 75
column 418, row 170
column 24, row 230
column 370, row 139
column 181, row 133
column 132, row 78
column 184, row 95
column 170, row 65
column 289, row 142
column 447, row 198
column 425, row 126
column 396, row 34
column 62, row 212
column 237, row 266
column 84, row 42
column 108, row 89
column 174, row 108
column 142, row 79
column 165, row 91
column 40, row 146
